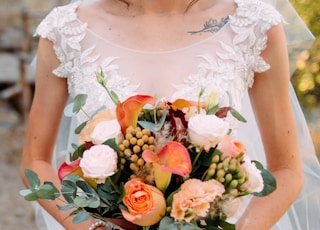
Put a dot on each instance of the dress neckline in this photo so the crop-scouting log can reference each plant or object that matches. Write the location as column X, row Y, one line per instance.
column 155, row 52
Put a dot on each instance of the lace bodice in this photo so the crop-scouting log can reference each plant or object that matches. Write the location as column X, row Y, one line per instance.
column 224, row 62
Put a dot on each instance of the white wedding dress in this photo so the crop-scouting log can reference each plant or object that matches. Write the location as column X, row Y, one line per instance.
column 224, row 62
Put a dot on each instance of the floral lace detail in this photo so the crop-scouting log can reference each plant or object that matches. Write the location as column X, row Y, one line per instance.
column 80, row 65
column 236, row 63
column 228, row 70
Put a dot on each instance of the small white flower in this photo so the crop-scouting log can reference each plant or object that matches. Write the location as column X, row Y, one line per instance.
column 106, row 130
column 99, row 162
column 255, row 180
column 231, row 207
column 206, row 131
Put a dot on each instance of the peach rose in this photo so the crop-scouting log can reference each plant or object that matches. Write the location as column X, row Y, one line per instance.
column 103, row 115
column 230, row 147
column 146, row 204
column 194, row 199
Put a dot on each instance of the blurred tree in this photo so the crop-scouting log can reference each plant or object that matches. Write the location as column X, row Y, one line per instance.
column 306, row 79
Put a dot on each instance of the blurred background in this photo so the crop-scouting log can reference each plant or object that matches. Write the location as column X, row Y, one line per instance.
column 18, row 19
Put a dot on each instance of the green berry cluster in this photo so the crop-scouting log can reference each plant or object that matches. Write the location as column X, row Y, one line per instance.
column 228, row 171
column 136, row 140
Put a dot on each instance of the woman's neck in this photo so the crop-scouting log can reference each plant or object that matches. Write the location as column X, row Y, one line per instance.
column 164, row 7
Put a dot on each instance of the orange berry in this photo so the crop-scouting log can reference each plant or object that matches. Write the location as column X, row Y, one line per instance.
column 133, row 141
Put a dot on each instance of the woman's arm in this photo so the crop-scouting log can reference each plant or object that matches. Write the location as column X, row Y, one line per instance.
column 271, row 104
column 46, row 112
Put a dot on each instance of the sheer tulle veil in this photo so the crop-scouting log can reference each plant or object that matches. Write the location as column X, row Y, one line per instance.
column 303, row 213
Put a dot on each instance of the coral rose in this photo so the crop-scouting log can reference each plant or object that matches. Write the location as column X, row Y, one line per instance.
column 230, row 147
column 193, row 200
column 146, row 204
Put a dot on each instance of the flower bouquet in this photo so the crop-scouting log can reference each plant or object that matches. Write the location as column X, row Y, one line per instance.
column 157, row 164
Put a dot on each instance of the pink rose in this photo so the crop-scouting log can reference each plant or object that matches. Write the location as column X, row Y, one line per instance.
column 99, row 162
column 230, row 147
column 146, row 204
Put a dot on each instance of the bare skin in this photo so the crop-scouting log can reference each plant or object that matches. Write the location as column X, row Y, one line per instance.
column 272, row 108
column 148, row 20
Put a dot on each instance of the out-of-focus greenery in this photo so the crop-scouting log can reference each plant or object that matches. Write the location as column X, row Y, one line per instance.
column 306, row 79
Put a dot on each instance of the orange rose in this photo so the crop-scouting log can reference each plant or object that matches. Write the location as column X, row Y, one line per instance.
column 146, row 204
column 230, row 147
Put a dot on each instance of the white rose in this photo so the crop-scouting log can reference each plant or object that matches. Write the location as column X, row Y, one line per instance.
column 255, row 180
column 99, row 162
column 106, row 130
column 206, row 131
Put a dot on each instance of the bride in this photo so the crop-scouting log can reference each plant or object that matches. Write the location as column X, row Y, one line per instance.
column 172, row 49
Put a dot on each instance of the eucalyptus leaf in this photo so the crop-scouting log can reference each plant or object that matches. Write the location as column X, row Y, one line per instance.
column 81, row 217
column 213, row 110
column 93, row 200
column 237, row 115
column 65, row 207
column 78, row 102
column 270, row 183
column 76, row 212
column 80, row 127
column 112, row 144
column 68, row 190
column 161, row 121
column 87, row 202
column 86, row 188
column 73, row 178
column 81, row 201
column 51, row 186
column 122, row 193
column 77, row 153
column 31, row 196
column 48, row 185
column 32, row 178
column 148, row 125
column 107, row 192
column 46, row 194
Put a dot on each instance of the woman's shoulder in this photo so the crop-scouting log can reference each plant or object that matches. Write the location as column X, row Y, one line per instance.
column 61, row 18
column 251, row 12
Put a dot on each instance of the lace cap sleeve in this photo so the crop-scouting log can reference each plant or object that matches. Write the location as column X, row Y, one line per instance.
column 63, row 29
column 251, row 23
column 56, row 20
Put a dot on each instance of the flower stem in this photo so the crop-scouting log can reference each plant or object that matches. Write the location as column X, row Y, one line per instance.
column 114, row 185
column 101, row 79
column 196, row 158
